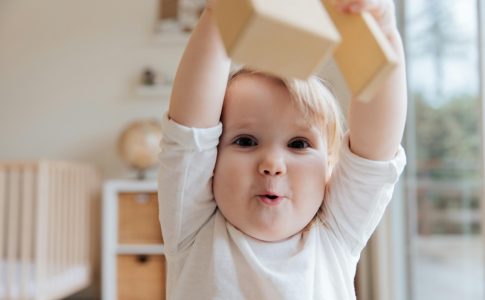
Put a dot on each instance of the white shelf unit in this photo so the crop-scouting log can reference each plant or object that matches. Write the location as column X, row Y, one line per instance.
column 111, row 247
column 138, row 249
column 171, row 38
column 157, row 90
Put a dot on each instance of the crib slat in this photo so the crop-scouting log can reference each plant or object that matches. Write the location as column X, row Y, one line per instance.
column 86, row 220
column 12, row 229
column 52, row 225
column 42, row 226
column 61, row 202
column 56, row 230
column 57, row 209
column 65, row 202
column 81, row 220
column 89, row 213
column 77, row 203
column 73, row 217
column 27, row 229
column 70, row 217
column 50, row 221
column 3, row 204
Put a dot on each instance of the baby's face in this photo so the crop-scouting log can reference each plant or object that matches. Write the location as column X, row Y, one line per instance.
column 269, row 179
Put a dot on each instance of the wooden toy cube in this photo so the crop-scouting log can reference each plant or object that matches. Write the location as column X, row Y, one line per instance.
column 365, row 56
column 288, row 38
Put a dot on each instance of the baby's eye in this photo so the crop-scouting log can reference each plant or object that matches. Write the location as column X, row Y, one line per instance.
column 299, row 144
column 245, row 141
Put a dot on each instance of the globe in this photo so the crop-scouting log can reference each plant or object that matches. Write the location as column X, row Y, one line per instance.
column 138, row 145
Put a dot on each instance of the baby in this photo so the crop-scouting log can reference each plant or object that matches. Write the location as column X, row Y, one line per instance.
column 261, row 193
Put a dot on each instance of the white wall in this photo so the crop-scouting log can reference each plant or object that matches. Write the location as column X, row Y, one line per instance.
column 68, row 71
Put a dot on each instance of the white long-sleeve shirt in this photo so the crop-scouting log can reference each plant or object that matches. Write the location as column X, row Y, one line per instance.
column 208, row 258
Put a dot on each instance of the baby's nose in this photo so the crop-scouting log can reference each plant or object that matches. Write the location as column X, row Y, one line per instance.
column 272, row 165
column 272, row 172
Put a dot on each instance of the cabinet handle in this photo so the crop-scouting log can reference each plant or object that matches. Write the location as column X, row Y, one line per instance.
column 142, row 258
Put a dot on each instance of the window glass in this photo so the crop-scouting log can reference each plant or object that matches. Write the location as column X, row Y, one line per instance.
column 443, row 143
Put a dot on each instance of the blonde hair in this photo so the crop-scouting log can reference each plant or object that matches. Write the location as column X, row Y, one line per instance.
column 317, row 103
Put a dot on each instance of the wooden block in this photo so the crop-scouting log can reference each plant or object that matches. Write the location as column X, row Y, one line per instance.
column 138, row 219
column 365, row 56
column 287, row 38
column 141, row 277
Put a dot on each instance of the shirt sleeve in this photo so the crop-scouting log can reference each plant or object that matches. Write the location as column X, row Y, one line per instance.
column 185, row 198
column 357, row 195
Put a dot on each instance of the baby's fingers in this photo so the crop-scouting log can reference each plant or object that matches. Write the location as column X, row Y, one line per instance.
column 210, row 3
column 382, row 10
column 361, row 5
column 349, row 6
column 384, row 13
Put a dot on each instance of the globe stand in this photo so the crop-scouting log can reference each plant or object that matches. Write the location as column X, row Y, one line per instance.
column 140, row 174
column 139, row 146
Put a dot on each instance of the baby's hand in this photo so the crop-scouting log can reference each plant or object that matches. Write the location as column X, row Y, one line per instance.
column 210, row 4
column 382, row 10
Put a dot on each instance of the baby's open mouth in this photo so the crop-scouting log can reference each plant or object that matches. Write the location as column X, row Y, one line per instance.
column 270, row 199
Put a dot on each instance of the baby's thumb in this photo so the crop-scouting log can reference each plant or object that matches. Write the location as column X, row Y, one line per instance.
column 384, row 12
column 210, row 3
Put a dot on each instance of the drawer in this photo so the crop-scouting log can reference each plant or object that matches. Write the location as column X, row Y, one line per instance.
column 141, row 277
column 138, row 219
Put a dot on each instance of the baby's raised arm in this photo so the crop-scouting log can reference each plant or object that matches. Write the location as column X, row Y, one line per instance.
column 200, row 82
column 188, row 149
column 362, row 184
column 376, row 128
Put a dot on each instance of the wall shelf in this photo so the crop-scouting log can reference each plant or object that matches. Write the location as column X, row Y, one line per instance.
column 158, row 90
column 171, row 38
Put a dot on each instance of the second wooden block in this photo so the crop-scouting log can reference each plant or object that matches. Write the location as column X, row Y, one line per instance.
column 365, row 56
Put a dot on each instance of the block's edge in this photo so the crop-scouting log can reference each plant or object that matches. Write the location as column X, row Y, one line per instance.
column 222, row 20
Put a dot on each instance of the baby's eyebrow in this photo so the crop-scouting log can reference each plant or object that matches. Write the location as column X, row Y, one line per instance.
column 303, row 125
column 247, row 124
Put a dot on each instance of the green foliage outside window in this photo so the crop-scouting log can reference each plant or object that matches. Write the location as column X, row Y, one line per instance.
column 448, row 139
column 448, row 165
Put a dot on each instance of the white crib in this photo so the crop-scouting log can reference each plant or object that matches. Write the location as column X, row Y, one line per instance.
column 48, row 220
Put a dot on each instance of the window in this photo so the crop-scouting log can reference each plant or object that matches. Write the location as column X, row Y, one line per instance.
column 443, row 183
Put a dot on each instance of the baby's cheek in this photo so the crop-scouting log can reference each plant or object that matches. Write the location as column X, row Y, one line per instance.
column 231, row 164
column 314, row 176
column 228, row 168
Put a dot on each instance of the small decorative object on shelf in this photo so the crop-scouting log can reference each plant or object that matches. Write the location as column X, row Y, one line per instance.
column 154, row 84
column 149, row 77
column 177, row 19
column 138, row 145
column 181, row 15
column 189, row 13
